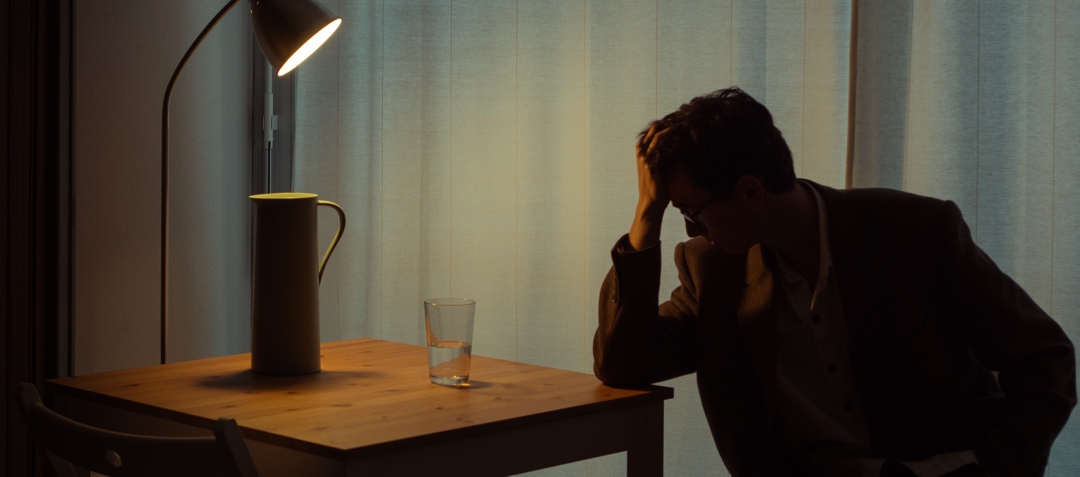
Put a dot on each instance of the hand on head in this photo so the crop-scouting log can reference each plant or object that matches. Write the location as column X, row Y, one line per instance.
column 652, row 190
column 653, row 195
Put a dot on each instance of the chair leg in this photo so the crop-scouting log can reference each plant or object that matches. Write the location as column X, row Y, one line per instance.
column 61, row 467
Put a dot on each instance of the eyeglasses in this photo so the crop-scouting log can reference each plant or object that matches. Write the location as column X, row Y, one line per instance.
column 689, row 216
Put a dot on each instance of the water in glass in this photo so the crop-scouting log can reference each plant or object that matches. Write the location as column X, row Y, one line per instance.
column 449, row 361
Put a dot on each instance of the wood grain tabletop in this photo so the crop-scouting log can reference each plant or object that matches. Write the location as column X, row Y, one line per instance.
column 371, row 397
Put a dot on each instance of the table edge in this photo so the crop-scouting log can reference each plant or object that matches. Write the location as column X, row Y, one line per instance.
column 653, row 393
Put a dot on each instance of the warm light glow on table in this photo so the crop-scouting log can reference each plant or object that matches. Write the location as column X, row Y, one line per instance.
column 371, row 397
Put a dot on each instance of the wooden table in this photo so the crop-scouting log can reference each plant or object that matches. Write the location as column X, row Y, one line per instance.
column 373, row 412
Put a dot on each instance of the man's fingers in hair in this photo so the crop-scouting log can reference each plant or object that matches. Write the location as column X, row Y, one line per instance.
column 655, row 140
column 643, row 144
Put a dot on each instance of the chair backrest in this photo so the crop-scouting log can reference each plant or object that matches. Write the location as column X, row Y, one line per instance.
column 122, row 455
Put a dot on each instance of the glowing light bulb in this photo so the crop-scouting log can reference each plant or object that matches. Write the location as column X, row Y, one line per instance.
column 309, row 47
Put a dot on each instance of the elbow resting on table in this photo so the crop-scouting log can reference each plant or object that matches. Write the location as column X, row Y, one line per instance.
column 615, row 374
column 614, row 378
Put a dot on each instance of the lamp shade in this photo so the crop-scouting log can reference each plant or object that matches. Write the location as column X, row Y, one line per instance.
column 290, row 30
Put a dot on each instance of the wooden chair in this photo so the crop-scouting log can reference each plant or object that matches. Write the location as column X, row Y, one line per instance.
column 66, row 442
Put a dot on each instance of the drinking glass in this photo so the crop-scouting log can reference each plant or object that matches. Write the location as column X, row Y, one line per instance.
column 449, row 324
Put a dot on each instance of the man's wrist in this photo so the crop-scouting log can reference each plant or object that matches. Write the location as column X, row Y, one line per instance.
column 640, row 244
column 651, row 209
column 645, row 231
column 644, row 236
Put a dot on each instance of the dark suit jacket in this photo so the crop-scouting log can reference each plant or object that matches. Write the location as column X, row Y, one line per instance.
column 929, row 315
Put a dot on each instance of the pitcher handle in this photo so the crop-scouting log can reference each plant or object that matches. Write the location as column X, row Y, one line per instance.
column 337, row 236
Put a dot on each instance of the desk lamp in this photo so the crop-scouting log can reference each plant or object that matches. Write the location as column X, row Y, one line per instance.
column 288, row 31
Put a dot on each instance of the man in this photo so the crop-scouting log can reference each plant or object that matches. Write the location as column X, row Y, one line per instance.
column 853, row 332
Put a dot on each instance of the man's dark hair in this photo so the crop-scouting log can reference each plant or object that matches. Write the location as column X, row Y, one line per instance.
column 720, row 137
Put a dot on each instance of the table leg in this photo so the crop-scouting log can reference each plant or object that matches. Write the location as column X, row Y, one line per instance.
column 647, row 460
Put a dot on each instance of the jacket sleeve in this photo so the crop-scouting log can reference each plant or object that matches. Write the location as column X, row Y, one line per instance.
column 638, row 341
column 1010, row 334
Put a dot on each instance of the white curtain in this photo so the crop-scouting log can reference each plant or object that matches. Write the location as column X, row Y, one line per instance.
column 979, row 103
column 484, row 148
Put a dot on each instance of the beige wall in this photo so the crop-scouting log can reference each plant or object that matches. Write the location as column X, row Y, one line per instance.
column 125, row 52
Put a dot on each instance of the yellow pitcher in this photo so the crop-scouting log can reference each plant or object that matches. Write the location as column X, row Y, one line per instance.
column 285, row 282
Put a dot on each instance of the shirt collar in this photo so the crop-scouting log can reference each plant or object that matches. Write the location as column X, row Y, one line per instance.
column 824, row 253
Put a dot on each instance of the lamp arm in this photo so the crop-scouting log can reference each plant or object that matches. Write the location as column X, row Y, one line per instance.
column 165, row 180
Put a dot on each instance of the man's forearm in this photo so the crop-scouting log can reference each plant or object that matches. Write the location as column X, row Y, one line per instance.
column 638, row 341
column 645, row 231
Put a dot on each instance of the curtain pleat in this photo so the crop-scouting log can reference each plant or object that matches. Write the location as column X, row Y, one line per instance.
column 484, row 149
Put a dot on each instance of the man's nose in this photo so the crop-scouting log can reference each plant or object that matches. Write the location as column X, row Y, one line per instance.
column 694, row 230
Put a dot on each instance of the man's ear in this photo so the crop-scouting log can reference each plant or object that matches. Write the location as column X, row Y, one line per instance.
column 749, row 189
